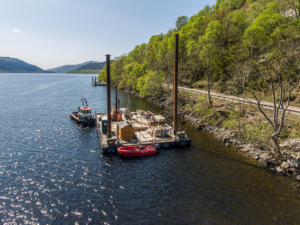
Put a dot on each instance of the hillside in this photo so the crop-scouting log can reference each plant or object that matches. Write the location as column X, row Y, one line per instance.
column 227, row 42
column 66, row 68
column 91, row 68
column 246, row 48
column 13, row 65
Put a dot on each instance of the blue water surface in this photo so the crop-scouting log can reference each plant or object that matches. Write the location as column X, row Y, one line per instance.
column 52, row 171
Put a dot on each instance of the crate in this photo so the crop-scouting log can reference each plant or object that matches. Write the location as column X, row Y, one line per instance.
column 151, row 123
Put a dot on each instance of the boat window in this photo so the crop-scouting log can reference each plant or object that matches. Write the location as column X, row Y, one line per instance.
column 83, row 111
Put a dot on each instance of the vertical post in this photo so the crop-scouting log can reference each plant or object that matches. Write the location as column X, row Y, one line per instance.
column 128, row 103
column 175, row 82
column 92, row 79
column 108, row 95
column 116, row 97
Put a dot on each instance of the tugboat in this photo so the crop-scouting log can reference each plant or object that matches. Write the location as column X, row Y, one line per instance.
column 84, row 115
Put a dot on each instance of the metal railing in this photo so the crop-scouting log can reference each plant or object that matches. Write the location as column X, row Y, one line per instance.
column 246, row 101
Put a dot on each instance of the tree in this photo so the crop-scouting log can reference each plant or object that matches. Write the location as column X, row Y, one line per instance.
column 151, row 83
column 278, row 70
column 134, row 71
column 208, row 45
column 242, row 72
column 181, row 21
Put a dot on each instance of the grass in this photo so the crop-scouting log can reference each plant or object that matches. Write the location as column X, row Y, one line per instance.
column 251, row 125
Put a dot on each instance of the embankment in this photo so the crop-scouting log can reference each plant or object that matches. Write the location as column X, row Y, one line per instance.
column 288, row 165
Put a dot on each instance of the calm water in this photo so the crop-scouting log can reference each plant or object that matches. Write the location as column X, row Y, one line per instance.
column 52, row 170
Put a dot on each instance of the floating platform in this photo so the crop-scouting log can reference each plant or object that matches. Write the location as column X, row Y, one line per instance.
column 98, row 84
column 161, row 135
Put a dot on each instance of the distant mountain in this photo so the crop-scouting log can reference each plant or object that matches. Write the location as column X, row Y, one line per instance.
column 13, row 65
column 66, row 68
column 91, row 68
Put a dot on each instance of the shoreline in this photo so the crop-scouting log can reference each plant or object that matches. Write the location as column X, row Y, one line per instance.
column 289, row 166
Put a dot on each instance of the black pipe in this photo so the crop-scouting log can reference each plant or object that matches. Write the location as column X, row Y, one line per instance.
column 175, row 81
column 108, row 95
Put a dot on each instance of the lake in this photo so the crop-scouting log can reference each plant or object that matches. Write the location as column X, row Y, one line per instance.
column 52, row 170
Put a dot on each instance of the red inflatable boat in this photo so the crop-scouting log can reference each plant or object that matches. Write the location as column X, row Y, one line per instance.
column 136, row 150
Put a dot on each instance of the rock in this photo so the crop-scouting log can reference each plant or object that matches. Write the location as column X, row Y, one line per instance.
column 272, row 162
column 227, row 144
column 267, row 159
column 298, row 177
column 293, row 162
column 285, row 165
column 199, row 127
column 248, row 146
column 294, row 144
column 256, row 157
column 279, row 169
column 226, row 140
column 291, row 170
column 163, row 99
column 265, row 156
column 251, row 152
column 245, row 149
column 284, row 158
column 295, row 174
column 284, row 145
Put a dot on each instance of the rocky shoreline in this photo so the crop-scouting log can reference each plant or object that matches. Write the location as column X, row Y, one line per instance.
column 289, row 165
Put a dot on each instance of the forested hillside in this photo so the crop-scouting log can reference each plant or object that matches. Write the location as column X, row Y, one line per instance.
column 232, row 43
column 13, row 65
column 91, row 68
column 66, row 68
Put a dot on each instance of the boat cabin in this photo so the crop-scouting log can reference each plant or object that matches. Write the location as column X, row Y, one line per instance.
column 84, row 111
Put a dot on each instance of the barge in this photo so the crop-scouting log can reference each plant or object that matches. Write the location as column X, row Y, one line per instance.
column 97, row 83
column 138, row 128
column 121, row 128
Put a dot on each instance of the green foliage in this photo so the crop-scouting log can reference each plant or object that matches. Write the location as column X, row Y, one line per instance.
column 232, row 121
column 181, row 21
column 203, row 108
column 85, row 71
column 12, row 65
column 134, row 71
column 260, row 133
column 210, row 42
column 92, row 66
column 151, row 83
column 284, row 133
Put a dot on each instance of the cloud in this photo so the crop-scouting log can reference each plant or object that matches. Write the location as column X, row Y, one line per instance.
column 17, row 31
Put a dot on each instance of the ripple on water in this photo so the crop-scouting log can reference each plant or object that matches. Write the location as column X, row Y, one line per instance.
column 52, row 171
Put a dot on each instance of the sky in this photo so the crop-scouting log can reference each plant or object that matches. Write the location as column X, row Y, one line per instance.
column 52, row 33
